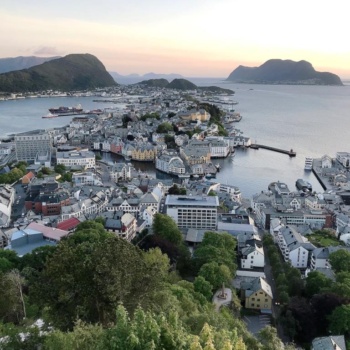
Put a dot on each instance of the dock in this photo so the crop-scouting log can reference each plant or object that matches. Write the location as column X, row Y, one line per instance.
column 290, row 153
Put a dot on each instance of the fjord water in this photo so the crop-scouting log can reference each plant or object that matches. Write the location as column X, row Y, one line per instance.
column 313, row 120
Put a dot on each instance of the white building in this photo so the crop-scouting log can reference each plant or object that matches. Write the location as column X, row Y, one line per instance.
column 7, row 195
column 344, row 159
column 252, row 256
column 294, row 247
column 81, row 158
column 148, row 215
column 170, row 164
column 86, row 178
column 198, row 212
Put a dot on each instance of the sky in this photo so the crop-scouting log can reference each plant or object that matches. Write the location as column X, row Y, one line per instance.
column 194, row 38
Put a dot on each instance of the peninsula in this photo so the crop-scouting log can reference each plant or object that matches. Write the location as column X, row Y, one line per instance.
column 277, row 71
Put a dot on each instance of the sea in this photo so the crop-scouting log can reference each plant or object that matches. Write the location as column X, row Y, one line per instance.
column 311, row 120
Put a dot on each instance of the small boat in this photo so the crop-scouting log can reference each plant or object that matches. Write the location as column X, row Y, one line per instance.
column 308, row 163
column 50, row 115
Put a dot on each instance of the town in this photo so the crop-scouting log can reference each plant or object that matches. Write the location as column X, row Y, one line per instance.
column 52, row 180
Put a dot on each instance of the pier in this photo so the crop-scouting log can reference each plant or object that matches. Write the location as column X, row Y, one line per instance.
column 291, row 153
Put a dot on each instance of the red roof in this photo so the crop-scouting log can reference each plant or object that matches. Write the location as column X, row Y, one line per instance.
column 68, row 224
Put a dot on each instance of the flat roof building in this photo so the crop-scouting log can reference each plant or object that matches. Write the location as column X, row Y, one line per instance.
column 199, row 212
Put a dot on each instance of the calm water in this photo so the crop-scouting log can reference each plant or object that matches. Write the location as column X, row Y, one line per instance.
column 313, row 120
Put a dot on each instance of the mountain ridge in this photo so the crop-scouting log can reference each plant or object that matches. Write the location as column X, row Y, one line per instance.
column 10, row 64
column 72, row 72
column 277, row 71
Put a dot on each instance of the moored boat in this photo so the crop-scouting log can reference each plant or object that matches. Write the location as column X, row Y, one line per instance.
column 308, row 163
column 66, row 110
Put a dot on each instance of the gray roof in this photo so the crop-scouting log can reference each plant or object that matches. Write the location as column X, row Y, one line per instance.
column 327, row 343
column 200, row 201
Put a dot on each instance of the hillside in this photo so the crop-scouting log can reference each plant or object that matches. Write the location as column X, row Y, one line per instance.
column 136, row 78
column 278, row 71
column 72, row 72
column 10, row 64
column 183, row 84
column 155, row 83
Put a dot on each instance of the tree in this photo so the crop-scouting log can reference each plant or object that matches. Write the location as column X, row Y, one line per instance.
column 269, row 338
column 339, row 320
column 323, row 305
column 217, row 247
column 340, row 260
column 164, row 226
column 60, row 169
column 164, row 128
column 316, row 282
column 216, row 274
column 73, row 285
column 204, row 287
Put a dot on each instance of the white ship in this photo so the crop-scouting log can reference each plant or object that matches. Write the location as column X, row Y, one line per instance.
column 308, row 163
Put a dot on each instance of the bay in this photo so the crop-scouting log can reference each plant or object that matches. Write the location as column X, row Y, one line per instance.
column 313, row 120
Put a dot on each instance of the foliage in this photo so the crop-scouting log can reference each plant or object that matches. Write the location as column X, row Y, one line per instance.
column 164, row 226
column 60, row 169
column 164, row 128
column 219, row 248
column 74, row 284
column 201, row 285
column 175, row 189
column 323, row 238
column 340, row 260
column 269, row 338
column 212, row 193
column 339, row 320
column 316, row 282
column 14, row 175
column 8, row 260
column 170, row 141
column 216, row 274
column 150, row 116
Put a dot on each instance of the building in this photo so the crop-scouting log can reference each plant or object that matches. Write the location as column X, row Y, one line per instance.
column 257, row 294
column 29, row 144
column 252, row 257
column 170, row 163
column 198, row 212
column 85, row 159
column 7, row 195
column 194, row 115
column 333, row 342
column 86, row 178
column 295, row 248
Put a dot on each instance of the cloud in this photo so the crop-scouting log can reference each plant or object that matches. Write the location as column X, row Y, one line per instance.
column 47, row 50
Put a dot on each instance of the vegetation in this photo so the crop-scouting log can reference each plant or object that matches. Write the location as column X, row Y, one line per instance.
column 164, row 128
column 323, row 238
column 175, row 189
column 150, row 116
column 17, row 172
column 98, row 291
column 72, row 72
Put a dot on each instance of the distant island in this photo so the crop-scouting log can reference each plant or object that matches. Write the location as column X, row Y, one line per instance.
column 183, row 84
column 72, row 72
column 276, row 71
column 136, row 78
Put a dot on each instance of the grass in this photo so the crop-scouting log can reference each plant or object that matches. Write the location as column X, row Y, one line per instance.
column 323, row 239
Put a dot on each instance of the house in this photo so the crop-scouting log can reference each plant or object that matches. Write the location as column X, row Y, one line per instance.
column 257, row 294
column 333, row 342
column 148, row 215
column 7, row 195
column 252, row 257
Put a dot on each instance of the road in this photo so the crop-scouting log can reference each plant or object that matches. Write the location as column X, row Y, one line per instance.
column 18, row 205
column 276, row 310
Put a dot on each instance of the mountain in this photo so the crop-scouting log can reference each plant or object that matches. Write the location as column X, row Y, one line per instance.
column 278, row 71
column 136, row 78
column 183, row 84
column 10, row 64
column 72, row 72
column 155, row 83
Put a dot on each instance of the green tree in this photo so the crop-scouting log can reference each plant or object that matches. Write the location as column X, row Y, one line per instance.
column 316, row 282
column 74, row 283
column 204, row 287
column 216, row 274
column 60, row 169
column 164, row 128
column 269, row 338
column 340, row 320
column 165, row 227
column 340, row 260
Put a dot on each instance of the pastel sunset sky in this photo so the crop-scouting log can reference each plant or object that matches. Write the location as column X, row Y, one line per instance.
column 190, row 37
